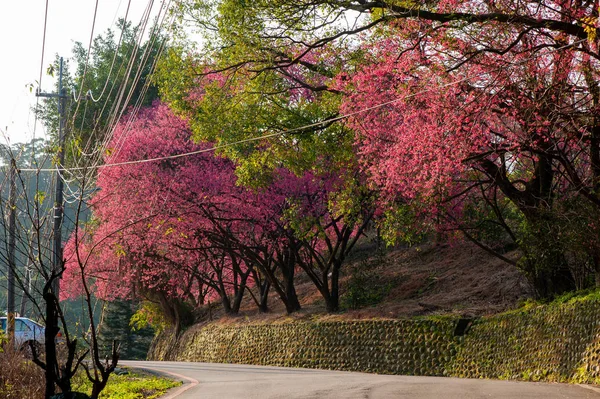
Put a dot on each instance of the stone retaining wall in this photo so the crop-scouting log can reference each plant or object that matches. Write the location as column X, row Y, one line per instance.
column 557, row 342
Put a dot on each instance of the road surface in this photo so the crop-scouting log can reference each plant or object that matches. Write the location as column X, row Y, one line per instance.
column 229, row 381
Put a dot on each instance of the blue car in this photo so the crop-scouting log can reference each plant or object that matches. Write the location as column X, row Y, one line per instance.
column 26, row 331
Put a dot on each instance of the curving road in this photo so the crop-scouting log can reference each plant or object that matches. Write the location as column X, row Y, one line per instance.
column 231, row 381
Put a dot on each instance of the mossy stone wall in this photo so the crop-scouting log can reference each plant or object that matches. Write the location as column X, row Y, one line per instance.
column 556, row 342
column 388, row 346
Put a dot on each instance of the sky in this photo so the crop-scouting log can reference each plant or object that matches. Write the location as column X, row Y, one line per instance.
column 21, row 37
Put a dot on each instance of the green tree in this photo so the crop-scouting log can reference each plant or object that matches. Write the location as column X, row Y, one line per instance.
column 101, row 85
column 134, row 343
column 228, row 100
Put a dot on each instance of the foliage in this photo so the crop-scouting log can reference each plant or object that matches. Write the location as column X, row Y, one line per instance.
column 460, row 110
column 133, row 342
column 400, row 222
column 574, row 297
column 463, row 119
column 130, row 386
column 486, row 136
column 242, row 103
column 365, row 287
column 102, row 84
column 148, row 316
column 176, row 240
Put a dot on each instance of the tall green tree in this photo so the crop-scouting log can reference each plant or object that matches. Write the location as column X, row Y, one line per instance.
column 115, row 325
column 235, row 91
column 102, row 84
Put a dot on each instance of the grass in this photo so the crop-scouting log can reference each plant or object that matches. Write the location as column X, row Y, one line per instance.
column 128, row 386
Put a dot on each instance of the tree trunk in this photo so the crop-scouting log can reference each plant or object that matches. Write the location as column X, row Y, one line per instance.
column 335, row 287
column 51, row 371
column 544, row 263
column 263, row 306
column 226, row 303
column 237, row 300
column 293, row 304
column 285, row 291
column 550, row 283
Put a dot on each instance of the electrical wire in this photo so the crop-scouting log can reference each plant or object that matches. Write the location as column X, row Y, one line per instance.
column 133, row 114
column 112, row 64
column 87, row 59
column 43, row 45
column 97, row 152
column 116, row 105
column 116, row 113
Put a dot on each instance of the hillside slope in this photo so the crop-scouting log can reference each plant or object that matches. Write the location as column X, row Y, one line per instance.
column 459, row 279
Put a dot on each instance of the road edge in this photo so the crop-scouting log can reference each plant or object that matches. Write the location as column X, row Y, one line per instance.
column 590, row 387
column 188, row 382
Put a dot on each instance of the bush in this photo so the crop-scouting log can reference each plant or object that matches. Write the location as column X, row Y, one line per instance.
column 366, row 287
column 2, row 341
column 19, row 378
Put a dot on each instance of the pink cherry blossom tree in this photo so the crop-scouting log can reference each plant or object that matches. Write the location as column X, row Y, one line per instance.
column 511, row 125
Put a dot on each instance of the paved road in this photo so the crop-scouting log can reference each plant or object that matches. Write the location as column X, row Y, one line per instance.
column 225, row 381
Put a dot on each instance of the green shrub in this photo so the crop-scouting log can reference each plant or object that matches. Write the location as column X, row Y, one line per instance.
column 365, row 287
column 128, row 386
column 3, row 340
column 149, row 315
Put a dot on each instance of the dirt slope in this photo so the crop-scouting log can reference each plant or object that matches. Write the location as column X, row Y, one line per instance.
column 428, row 279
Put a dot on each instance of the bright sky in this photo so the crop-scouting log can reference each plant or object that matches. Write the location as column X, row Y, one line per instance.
column 21, row 33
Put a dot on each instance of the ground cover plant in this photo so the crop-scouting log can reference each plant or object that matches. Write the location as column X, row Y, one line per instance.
column 130, row 385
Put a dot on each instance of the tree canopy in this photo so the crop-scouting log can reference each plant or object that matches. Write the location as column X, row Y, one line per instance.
column 290, row 128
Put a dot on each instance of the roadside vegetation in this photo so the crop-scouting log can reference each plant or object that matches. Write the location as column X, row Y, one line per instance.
column 20, row 379
column 129, row 385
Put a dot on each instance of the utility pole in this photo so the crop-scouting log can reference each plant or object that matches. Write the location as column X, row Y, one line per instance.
column 58, row 194
column 52, row 287
column 12, row 203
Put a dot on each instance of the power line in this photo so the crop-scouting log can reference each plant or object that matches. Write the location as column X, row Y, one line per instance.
column 117, row 104
column 87, row 59
column 117, row 107
column 43, row 44
column 112, row 64
column 158, row 25
column 140, row 98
